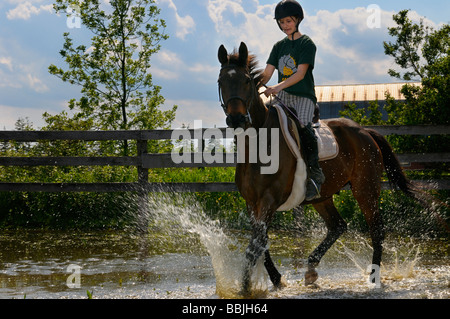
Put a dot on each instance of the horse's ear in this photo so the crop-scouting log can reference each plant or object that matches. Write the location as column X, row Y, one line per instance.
column 223, row 55
column 243, row 54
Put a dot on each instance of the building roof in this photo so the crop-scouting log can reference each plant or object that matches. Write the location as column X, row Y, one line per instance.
column 359, row 92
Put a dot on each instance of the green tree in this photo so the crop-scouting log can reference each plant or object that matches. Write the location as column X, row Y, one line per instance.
column 371, row 116
column 423, row 54
column 113, row 71
column 406, row 50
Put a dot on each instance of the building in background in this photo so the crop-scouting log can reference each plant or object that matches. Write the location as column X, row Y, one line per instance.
column 333, row 98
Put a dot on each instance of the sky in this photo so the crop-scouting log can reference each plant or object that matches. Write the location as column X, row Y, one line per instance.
column 349, row 37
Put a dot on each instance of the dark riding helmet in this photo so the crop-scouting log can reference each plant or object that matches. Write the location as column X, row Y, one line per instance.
column 288, row 8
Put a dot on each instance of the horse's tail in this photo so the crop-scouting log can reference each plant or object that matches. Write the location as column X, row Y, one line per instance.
column 395, row 174
column 398, row 179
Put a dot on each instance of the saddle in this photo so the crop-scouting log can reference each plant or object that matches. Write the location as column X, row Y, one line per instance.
column 328, row 149
column 326, row 141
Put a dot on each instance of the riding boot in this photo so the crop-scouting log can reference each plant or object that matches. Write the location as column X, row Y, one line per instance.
column 311, row 156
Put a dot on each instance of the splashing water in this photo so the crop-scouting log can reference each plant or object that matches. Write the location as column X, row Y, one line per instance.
column 404, row 261
column 360, row 255
column 175, row 214
column 181, row 218
column 398, row 264
column 186, row 254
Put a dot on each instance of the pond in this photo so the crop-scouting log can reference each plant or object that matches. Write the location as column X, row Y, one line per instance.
column 186, row 255
column 36, row 264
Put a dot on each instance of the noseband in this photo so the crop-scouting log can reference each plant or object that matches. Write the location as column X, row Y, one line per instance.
column 248, row 104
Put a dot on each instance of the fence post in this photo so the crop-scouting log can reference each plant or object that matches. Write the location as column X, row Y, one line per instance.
column 142, row 149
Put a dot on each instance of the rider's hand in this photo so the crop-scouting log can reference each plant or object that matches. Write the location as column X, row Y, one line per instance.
column 272, row 90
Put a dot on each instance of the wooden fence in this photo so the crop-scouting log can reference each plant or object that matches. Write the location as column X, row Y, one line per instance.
column 144, row 161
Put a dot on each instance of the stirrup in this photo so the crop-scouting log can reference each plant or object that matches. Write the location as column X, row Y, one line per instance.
column 317, row 188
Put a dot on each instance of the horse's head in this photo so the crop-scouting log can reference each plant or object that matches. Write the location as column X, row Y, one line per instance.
column 237, row 86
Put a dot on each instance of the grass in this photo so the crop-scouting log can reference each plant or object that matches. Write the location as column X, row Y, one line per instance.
column 117, row 210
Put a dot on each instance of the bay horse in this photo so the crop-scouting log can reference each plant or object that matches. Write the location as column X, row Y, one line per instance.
column 363, row 154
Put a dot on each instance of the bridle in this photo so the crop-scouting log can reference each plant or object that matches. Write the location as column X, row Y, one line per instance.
column 248, row 103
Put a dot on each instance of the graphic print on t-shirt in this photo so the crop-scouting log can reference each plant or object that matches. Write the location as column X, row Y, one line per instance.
column 287, row 66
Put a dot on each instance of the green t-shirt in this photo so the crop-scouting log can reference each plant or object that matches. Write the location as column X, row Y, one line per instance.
column 287, row 55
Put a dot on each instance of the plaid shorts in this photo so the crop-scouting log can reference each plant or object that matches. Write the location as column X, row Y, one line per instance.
column 305, row 107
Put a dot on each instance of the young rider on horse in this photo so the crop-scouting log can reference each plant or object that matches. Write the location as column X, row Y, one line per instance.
column 294, row 58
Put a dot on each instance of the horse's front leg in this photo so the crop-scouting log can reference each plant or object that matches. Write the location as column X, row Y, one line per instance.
column 254, row 251
column 274, row 274
column 256, row 248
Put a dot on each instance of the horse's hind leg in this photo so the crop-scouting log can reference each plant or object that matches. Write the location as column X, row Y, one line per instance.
column 336, row 227
column 367, row 196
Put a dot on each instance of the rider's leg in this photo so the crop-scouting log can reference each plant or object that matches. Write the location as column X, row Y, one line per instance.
column 311, row 154
column 306, row 109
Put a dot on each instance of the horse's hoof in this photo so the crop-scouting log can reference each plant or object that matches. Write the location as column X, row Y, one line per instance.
column 310, row 277
column 282, row 284
column 245, row 293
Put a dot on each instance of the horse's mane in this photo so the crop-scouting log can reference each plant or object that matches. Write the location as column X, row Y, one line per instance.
column 252, row 66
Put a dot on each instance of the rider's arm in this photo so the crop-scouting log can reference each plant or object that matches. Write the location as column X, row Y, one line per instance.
column 267, row 74
column 294, row 79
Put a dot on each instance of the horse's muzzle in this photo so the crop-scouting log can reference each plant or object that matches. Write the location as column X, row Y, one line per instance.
column 237, row 120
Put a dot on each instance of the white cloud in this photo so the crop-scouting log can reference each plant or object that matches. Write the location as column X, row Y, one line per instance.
column 209, row 112
column 256, row 27
column 349, row 50
column 167, row 65
column 6, row 61
column 339, row 33
column 36, row 84
column 165, row 74
column 25, row 10
column 185, row 25
column 18, row 75
column 7, row 78
column 170, row 66
column 169, row 58
column 202, row 68
column 11, row 114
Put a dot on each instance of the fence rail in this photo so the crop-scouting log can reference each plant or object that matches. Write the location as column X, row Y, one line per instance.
column 144, row 161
